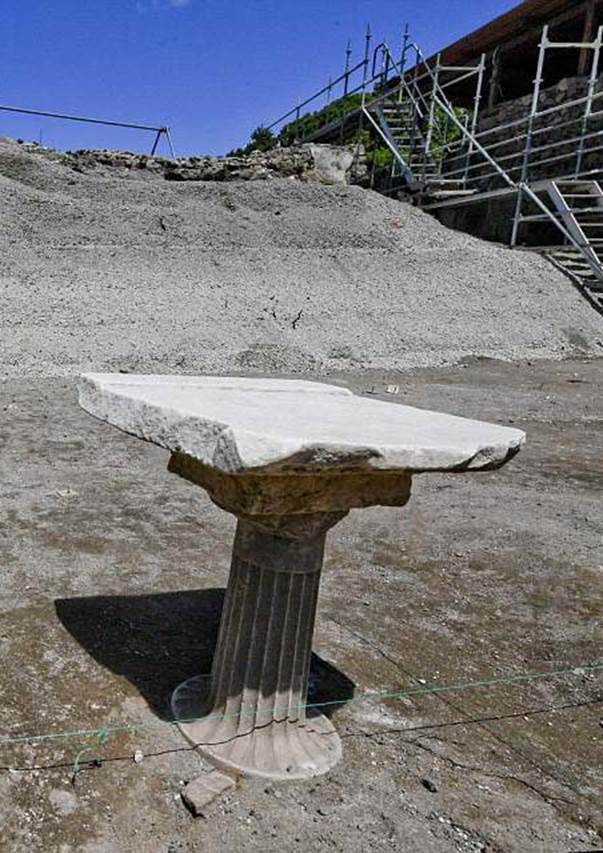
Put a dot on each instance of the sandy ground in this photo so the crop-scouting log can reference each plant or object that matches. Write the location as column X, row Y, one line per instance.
column 112, row 578
column 103, row 271
column 113, row 570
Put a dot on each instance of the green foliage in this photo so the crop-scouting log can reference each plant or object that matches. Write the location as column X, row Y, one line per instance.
column 378, row 155
column 445, row 131
column 311, row 122
column 381, row 157
column 262, row 139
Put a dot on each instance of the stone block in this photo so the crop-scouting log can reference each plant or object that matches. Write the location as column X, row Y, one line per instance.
column 199, row 794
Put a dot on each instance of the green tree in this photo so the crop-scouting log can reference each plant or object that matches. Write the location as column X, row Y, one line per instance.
column 262, row 139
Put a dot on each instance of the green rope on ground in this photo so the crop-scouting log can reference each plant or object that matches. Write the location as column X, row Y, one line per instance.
column 103, row 736
column 105, row 732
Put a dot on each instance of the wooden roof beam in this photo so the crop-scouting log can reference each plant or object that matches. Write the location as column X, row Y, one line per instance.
column 509, row 30
column 587, row 36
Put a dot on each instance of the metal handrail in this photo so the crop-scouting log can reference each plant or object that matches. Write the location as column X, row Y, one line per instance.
column 393, row 148
column 522, row 186
column 537, row 162
column 560, row 157
column 385, row 49
column 107, row 122
column 328, row 88
column 535, row 132
column 442, row 101
column 540, row 114
column 411, row 87
column 389, row 63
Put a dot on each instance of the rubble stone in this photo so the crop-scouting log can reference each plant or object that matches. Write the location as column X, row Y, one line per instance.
column 204, row 790
column 325, row 164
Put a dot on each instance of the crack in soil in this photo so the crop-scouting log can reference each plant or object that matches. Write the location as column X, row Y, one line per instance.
column 453, row 705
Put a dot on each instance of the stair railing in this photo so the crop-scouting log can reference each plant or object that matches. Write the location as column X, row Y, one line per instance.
column 408, row 83
column 389, row 62
column 441, row 100
column 420, row 105
column 385, row 134
column 522, row 187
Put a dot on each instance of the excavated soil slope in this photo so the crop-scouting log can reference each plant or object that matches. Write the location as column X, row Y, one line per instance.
column 105, row 270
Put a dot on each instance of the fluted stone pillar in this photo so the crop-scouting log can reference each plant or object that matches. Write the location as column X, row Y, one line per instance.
column 249, row 714
column 254, row 700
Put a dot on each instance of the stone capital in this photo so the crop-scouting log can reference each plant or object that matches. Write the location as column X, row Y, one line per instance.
column 295, row 490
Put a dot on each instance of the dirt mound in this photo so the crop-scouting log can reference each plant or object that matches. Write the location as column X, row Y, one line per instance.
column 107, row 272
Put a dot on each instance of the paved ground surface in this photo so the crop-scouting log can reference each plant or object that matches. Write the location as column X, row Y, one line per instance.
column 101, row 271
column 112, row 577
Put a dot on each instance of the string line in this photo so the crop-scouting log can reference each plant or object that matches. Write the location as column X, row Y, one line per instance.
column 104, row 732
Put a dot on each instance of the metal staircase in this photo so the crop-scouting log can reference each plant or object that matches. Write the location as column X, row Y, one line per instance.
column 402, row 123
column 407, row 116
column 571, row 262
column 577, row 247
column 564, row 215
column 407, row 110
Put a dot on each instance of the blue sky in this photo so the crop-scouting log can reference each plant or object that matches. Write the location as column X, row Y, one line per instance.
column 211, row 69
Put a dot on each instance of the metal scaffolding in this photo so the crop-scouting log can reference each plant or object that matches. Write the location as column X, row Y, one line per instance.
column 442, row 153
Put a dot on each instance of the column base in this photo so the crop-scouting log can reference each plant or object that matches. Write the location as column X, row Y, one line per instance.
column 279, row 750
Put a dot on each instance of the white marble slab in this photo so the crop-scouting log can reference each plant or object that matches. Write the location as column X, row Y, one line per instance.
column 237, row 424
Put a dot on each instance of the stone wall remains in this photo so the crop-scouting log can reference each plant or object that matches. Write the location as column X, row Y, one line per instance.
column 324, row 164
column 555, row 136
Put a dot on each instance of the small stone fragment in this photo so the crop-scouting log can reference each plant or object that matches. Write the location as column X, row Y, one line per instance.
column 63, row 802
column 202, row 791
column 138, row 756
